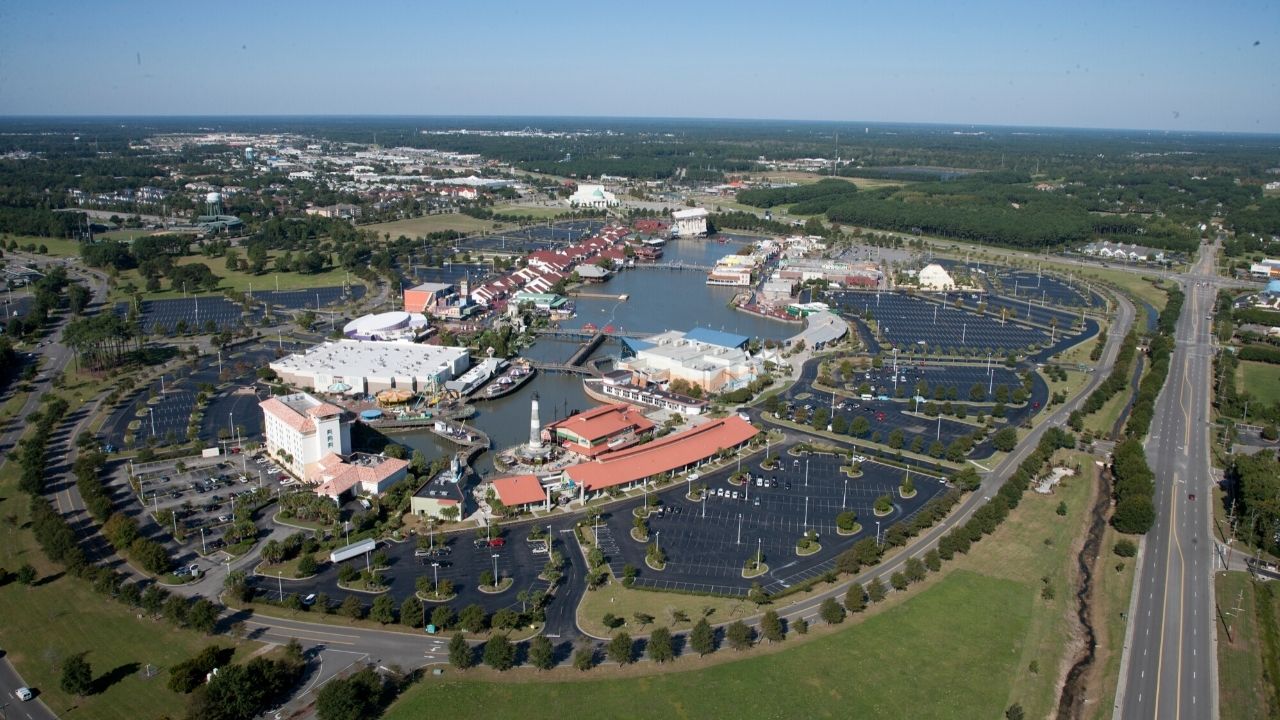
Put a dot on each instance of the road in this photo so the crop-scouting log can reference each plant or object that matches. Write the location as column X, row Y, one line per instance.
column 1170, row 660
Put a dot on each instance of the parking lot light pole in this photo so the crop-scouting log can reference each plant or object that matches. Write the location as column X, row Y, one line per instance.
column 739, row 528
column 806, row 513
column 279, row 586
column 204, row 549
column 152, row 412
column 938, row 434
column 495, row 570
column 877, row 533
column 844, row 499
column 435, row 579
column 806, row 472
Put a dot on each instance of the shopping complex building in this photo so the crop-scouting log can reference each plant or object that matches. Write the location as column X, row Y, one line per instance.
column 365, row 367
column 710, row 359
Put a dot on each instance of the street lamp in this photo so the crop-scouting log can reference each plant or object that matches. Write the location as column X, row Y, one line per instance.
column 877, row 533
column 495, row 571
column 435, row 578
column 739, row 529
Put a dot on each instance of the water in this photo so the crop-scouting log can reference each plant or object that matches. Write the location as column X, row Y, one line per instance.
column 660, row 300
column 507, row 420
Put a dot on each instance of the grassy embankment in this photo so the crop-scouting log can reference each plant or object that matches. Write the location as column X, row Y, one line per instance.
column 973, row 631
column 1248, row 647
column 59, row 616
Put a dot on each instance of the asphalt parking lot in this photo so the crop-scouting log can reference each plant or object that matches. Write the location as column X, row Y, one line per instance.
column 203, row 495
column 537, row 237
column 707, row 543
column 163, row 316
column 906, row 321
column 1025, row 283
column 451, row 273
column 303, row 299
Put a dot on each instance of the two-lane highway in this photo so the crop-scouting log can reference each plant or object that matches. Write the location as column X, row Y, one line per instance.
column 1170, row 663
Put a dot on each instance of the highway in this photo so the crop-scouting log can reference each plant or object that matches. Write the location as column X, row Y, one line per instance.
column 1169, row 667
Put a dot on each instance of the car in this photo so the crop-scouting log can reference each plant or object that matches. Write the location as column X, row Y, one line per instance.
column 773, row 483
column 735, row 495
column 788, row 485
column 309, row 600
column 497, row 542
column 539, row 549
column 421, row 552
column 223, row 518
column 756, row 502
column 1191, row 496
column 759, row 482
column 694, row 477
column 24, row 693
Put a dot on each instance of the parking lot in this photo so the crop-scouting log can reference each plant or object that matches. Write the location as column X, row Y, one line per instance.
column 906, row 321
column 537, row 237
column 203, row 495
column 307, row 299
column 707, row 543
column 451, row 273
column 1054, row 290
column 162, row 316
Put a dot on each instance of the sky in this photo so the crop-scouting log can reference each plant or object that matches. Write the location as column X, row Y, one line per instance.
column 1173, row 65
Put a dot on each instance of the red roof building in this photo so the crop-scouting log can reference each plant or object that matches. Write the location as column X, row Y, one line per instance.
column 676, row 452
column 518, row 491
column 601, row 430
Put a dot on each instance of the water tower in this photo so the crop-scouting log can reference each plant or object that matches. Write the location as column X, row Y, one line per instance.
column 213, row 204
column 249, row 155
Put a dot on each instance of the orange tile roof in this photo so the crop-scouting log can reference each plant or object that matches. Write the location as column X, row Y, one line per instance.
column 663, row 455
column 287, row 415
column 324, row 409
column 517, row 490
column 604, row 421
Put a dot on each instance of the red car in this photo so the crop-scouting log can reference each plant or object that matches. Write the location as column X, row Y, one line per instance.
column 497, row 542
column 879, row 417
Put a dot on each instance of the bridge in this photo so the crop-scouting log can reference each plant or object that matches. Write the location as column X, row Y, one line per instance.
column 585, row 334
column 675, row 266
column 560, row 367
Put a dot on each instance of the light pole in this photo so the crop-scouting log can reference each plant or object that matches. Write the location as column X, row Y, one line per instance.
column 877, row 533
column 938, row 435
column 495, row 570
column 844, row 499
column 152, row 412
column 806, row 513
column 435, row 579
column 806, row 472
column 739, row 529
column 759, row 552
column 657, row 549
column 204, row 549
column 279, row 586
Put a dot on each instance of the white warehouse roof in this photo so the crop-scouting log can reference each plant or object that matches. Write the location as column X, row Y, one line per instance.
column 364, row 358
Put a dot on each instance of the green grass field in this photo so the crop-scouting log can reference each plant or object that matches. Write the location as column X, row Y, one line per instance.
column 959, row 646
column 536, row 211
column 1260, row 380
column 239, row 281
column 61, row 616
column 859, row 672
column 1242, row 684
column 420, row 226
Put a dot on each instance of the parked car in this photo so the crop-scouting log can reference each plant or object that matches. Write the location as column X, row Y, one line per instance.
column 497, row 542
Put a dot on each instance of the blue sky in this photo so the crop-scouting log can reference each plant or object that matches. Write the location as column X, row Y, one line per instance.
column 1159, row 65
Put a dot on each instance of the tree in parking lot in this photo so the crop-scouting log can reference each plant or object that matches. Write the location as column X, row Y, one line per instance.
column 859, row 427
column 917, row 443
column 202, row 615
column 307, row 565
column 1005, row 440
column 896, row 438
column 473, row 618
column 442, row 616
column 352, row 607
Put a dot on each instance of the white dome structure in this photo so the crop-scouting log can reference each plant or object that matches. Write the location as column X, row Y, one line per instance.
column 393, row 325
column 213, row 197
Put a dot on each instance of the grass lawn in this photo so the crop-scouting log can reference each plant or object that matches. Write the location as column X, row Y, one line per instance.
column 240, row 281
column 1111, row 601
column 421, row 226
column 972, row 631
column 1102, row 421
column 1243, row 691
column 57, row 247
column 1262, row 380
column 45, row 623
column 536, row 211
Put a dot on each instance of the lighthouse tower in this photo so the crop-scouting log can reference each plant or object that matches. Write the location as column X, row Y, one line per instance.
column 535, row 426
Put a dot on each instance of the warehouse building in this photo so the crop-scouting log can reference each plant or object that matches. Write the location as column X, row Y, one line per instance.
column 365, row 367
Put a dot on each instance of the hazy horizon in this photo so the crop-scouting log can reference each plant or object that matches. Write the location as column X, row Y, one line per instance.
column 1147, row 66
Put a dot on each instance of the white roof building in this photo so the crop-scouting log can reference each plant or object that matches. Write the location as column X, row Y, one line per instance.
column 593, row 196
column 367, row 367
column 935, row 277
column 689, row 223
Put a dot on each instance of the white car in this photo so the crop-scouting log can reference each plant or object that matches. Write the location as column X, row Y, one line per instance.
column 24, row 694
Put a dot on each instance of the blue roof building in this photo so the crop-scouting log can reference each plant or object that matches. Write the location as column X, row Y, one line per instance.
column 707, row 336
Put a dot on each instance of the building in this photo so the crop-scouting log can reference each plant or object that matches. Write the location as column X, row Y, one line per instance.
column 592, row 196
column 601, row 430
column 440, row 498
column 714, row 361
column 593, row 273
column 300, row 430
column 546, row 302
column 362, row 474
column 394, row 325
column 1121, row 251
column 440, row 300
column 674, row 453
column 1266, row 269
column 366, row 367
column 689, row 223
column 934, row 277
column 520, row 492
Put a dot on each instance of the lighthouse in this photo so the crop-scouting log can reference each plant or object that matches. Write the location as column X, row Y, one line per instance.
column 535, row 427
